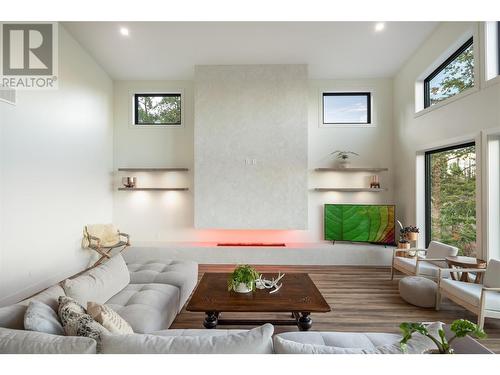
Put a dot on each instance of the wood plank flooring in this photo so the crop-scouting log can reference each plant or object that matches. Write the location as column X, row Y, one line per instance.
column 363, row 299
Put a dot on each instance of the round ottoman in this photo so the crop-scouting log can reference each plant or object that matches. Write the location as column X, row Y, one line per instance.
column 418, row 291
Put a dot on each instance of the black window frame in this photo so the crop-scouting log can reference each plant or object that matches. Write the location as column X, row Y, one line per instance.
column 428, row 154
column 136, row 108
column 350, row 93
column 440, row 68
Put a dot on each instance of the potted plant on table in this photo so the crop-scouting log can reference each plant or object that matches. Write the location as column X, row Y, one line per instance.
column 411, row 233
column 460, row 328
column 242, row 280
column 343, row 158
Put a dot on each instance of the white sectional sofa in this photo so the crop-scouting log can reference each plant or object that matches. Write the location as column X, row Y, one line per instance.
column 148, row 295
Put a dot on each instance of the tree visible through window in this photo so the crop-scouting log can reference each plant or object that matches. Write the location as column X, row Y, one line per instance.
column 157, row 109
column 455, row 75
column 451, row 197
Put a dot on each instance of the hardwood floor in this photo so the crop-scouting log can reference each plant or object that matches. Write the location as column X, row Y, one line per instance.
column 363, row 299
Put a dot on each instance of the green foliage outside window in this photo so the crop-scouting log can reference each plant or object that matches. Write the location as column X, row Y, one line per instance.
column 456, row 77
column 453, row 198
column 158, row 109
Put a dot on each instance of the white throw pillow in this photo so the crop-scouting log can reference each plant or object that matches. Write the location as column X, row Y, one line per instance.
column 418, row 344
column 255, row 341
column 13, row 341
column 100, row 283
column 41, row 318
column 109, row 319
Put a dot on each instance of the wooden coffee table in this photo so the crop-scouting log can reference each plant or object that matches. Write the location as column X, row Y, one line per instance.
column 298, row 297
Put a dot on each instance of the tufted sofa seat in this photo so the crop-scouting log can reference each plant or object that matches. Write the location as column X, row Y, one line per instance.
column 147, row 307
column 181, row 274
column 147, row 294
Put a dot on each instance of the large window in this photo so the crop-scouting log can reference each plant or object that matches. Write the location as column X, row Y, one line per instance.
column 452, row 77
column 347, row 108
column 157, row 109
column 450, row 194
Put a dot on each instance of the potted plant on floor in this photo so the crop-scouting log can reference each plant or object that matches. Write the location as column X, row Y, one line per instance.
column 460, row 328
column 242, row 280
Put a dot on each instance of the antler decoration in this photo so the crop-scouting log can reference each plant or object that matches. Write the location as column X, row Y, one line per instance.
column 272, row 284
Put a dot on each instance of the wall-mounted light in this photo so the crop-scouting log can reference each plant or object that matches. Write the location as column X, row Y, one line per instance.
column 124, row 31
column 379, row 26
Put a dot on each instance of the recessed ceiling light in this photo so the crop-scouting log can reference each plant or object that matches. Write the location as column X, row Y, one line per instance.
column 379, row 26
column 124, row 31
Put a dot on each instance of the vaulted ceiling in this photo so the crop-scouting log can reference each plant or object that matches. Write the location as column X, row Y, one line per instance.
column 169, row 50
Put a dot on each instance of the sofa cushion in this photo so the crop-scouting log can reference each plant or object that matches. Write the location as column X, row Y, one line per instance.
column 492, row 274
column 108, row 318
column 100, row 283
column 41, row 318
column 147, row 307
column 352, row 340
column 13, row 316
column 181, row 274
column 351, row 343
column 471, row 293
column 255, row 341
column 28, row 342
column 439, row 250
column 425, row 268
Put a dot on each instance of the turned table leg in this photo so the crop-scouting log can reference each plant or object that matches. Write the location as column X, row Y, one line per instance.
column 304, row 322
column 211, row 319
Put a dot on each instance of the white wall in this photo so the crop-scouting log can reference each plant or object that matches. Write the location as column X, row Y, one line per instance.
column 55, row 160
column 458, row 120
column 169, row 216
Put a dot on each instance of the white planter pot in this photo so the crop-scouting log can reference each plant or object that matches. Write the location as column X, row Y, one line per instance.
column 344, row 163
column 242, row 288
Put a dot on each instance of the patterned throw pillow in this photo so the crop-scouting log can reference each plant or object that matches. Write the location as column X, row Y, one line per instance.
column 109, row 318
column 69, row 309
column 76, row 321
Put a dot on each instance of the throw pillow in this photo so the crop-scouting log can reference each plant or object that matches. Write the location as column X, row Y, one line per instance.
column 76, row 321
column 109, row 318
column 41, row 318
column 69, row 309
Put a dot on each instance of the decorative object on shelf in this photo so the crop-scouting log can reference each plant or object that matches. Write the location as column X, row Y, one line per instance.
column 343, row 158
column 459, row 327
column 272, row 284
column 242, row 280
column 129, row 182
column 374, row 182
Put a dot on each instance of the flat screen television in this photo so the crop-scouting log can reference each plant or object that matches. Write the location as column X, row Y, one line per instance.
column 360, row 223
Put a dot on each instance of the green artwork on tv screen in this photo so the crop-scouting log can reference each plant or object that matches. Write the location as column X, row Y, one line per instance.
column 360, row 223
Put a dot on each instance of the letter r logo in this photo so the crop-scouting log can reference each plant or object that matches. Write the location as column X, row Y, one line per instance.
column 27, row 49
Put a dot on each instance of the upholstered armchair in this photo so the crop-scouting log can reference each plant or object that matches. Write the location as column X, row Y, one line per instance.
column 480, row 299
column 426, row 262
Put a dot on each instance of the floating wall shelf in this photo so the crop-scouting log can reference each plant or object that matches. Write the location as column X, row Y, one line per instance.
column 351, row 169
column 153, row 169
column 153, row 189
column 353, row 190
